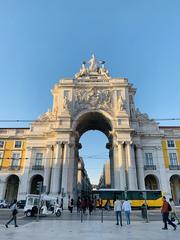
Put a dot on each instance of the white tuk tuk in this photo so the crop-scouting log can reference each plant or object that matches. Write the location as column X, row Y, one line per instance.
column 46, row 204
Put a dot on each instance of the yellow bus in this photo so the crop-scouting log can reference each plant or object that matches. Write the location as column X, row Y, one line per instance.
column 152, row 198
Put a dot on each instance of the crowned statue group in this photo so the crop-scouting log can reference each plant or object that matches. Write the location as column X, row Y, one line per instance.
column 95, row 67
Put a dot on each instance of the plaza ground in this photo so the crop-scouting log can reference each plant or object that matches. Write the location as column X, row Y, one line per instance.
column 48, row 229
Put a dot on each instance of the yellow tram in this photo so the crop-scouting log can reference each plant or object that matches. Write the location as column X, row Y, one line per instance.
column 153, row 198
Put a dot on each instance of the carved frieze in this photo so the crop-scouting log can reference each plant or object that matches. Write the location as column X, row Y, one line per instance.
column 93, row 98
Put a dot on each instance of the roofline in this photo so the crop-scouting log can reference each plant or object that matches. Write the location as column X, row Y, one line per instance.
column 13, row 128
column 169, row 126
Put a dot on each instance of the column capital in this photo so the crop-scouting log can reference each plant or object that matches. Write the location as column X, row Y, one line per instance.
column 129, row 142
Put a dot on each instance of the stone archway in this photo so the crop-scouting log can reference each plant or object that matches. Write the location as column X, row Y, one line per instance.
column 94, row 121
column 92, row 100
column 175, row 188
column 12, row 188
column 151, row 182
column 33, row 183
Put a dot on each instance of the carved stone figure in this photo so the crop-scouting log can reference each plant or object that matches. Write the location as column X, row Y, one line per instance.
column 121, row 104
column 83, row 71
column 95, row 68
column 93, row 64
column 66, row 103
column 93, row 98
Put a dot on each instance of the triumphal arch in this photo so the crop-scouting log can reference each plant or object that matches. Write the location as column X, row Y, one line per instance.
column 92, row 100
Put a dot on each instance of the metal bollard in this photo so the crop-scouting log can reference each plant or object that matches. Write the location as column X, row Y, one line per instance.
column 81, row 215
column 102, row 215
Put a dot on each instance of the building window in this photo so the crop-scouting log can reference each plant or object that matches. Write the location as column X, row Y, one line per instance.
column 15, row 159
column 149, row 159
column 170, row 143
column 38, row 160
column 1, row 144
column 1, row 159
column 173, row 159
column 18, row 144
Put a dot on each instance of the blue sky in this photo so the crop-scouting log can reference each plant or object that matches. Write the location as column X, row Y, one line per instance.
column 44, row 41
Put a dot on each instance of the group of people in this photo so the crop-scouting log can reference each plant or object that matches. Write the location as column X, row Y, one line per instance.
column 83, row 204
column 119, row 207
column 168, row 210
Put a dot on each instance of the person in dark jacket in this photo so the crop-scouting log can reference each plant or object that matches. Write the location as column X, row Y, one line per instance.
column 166, row 208
column 14, row 213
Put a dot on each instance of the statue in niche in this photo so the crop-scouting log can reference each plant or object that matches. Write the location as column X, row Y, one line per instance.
column 132, row 107
column 66, row 103
column 121, row 104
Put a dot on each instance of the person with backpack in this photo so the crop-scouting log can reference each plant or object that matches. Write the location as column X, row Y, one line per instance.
column 14, row 213
column 166, row 208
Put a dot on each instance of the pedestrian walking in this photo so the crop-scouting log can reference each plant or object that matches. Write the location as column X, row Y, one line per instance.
column 166, row 208
column 127, row 210
column 90, row 206
column 62, row 203
column 117, row 210
column 69, row 203
column 83, row 206
column 78, row 205
column 173, row 212
column 14, row 213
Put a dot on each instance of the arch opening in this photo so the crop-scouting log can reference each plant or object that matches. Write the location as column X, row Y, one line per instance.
column 12, row 188
column 34, row 183
column 93, row 121
column 175, row 188
column 93, row 140
column 151, row 182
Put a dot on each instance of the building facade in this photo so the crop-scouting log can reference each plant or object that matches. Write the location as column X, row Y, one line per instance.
column 142, row 154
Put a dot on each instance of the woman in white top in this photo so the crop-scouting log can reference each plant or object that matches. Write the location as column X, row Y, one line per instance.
column 127, row 209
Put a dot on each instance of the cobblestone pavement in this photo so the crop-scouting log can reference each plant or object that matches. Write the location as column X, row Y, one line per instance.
column 47, row 229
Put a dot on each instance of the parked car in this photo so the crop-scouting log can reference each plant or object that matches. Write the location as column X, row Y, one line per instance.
column 3, row 204
column 21, row 204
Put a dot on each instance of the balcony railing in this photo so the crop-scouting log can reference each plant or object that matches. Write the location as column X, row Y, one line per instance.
column 174, row 167
column 38, row 167
column 13, row 168
column 149, row 167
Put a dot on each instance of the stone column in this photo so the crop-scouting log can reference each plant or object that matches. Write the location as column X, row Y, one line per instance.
column 140, row 168
column 111, row 157
column 65, row 166
column 116, row 166
column 24, row 184
column 132, row 178
column 55, row 180
column 121, row 161
column 71, row 173
column 47, row 168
